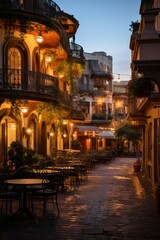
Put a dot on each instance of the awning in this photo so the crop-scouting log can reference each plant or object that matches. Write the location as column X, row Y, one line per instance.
column 86, row 128
column 105, row 134
column 96, row 69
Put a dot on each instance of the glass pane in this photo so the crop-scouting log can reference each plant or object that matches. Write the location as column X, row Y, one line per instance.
column 14, row 67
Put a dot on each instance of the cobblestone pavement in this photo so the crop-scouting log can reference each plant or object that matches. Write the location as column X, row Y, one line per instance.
column 114, row 203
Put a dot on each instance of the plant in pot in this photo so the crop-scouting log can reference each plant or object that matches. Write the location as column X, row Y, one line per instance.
column 16, row 153
column 126, row 131
column 141, row 87
column 21, row 155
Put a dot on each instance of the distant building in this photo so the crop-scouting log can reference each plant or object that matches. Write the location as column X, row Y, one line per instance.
column 95, row 97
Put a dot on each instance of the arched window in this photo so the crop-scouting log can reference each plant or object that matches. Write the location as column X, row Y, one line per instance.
column 14, row 67
column 15, row 64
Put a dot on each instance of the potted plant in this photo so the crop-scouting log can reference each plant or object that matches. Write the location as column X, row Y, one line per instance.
column 21, row 155
column 134, row 26
column 140, row 87
column 127, row 132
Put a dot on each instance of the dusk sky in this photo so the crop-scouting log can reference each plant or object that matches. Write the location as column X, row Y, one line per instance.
column 104, row 26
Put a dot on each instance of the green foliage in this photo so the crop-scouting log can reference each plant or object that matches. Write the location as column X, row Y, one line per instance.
column 134, row 26
column 16, row 104
column 126, row 131
column 20, row 155
column 29, row 158
column 75, row 144
column 140, row 87
column 50, row 111
column 16, row 153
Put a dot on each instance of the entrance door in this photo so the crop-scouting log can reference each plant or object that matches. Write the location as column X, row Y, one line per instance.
column 8, row 135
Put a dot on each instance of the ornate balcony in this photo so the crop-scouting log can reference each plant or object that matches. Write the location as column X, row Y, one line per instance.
column 45, row 7
column 28, row 84
column 76, row 51
column 101, row 117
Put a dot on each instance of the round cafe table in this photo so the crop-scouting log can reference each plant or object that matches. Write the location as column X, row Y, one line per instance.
column 24, row 183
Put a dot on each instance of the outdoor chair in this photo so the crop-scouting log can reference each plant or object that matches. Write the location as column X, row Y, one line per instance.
column 8, row 195
column 24, row 172
column 49, row 191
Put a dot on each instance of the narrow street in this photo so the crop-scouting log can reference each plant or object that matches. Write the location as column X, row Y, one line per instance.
column 113, row 203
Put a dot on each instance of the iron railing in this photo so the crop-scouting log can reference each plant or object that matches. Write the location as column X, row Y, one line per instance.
column 100, row 117
column 76, row 50
column 18, row 79
column 34, row 5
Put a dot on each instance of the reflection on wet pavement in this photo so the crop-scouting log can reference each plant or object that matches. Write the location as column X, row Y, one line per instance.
column 114, row 203
column 138, row 187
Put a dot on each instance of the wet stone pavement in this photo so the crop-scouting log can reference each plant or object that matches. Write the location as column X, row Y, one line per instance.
column 114, row 203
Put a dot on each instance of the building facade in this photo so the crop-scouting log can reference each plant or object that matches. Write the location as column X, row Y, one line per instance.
column 39, row 65
column 95, row 99
column 144, row 111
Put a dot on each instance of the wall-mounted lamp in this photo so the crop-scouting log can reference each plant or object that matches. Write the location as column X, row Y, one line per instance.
column 64, row 122
column 24, row 109
column 39, row 38
column 28, row 131
column 64, row 135
column 50, row 134
column 61, row 75
column 71, row 124
column 48, row 58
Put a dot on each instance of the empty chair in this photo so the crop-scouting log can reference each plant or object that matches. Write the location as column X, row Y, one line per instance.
column 8, row 195
column 24, row 172
column 49, row 191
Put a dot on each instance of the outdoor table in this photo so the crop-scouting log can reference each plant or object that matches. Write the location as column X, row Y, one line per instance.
column 24, row 183
column 46, row 171
column 62, row 168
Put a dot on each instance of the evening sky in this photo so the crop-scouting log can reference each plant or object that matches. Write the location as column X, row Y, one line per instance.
column 104, row 26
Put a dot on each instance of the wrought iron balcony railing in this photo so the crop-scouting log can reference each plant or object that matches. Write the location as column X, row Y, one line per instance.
column 43, row 6
column 76, row 50
column 65, row 99
column 100, row 117
column 17, row 79
column 85, row 87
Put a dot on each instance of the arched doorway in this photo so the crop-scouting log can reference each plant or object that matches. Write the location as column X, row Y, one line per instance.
column 8, row 134
column 32, row 132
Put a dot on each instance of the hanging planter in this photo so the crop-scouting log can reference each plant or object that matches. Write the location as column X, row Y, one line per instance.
column 140, row 87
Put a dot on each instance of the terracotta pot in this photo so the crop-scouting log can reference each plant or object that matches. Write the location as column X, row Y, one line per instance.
column 137, row 166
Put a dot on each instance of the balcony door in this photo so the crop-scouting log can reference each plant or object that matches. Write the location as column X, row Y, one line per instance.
column 14, row 68
column 15, row 62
